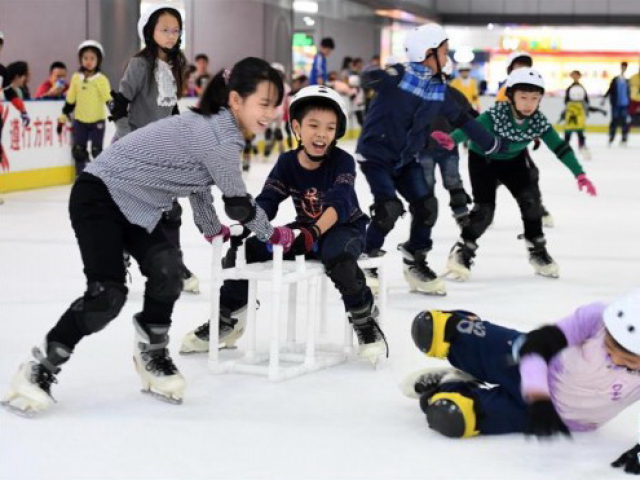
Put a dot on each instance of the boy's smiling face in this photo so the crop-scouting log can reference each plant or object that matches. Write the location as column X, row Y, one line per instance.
column 317, row 130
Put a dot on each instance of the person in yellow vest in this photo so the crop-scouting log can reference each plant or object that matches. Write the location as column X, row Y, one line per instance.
column 517, row 59
column 466, row 85
column 87, row 99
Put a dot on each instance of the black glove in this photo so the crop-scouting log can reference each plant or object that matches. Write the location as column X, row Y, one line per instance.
column 536, row 143
column 544, row 420
column 303, row 243
column 629, row 460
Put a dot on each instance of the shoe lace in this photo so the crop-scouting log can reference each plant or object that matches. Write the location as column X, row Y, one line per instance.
column 466, row 256
column 372, row 272
column 423, row 270
column 43, row 377
column 541, row 255
column 159, row 361
column 370, row 332
column 226, row 325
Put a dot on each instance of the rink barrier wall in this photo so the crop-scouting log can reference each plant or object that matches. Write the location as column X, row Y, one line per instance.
column 37, row 157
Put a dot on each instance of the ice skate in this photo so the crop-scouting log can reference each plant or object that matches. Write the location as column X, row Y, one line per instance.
column 418, row 274
column 231, row 327
column 160, row 377
column 190, row 284
column 461, row 258
column 372, row 342
column 586, row 153
column 427, row 380
column 540, row 259
column 547, row 218
column 30, row 389
column 371, row 274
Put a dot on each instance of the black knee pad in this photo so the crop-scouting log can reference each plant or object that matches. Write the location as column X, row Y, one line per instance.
column 80, row 154
column 268, row 133
column 277, row 134
column 385, row 213
column 530, row 205
column 172, row 219
column 346, row 274
column 240, row 209
column 425, row 210
column 459, row 198
column 480, row 218
column 453, row 414
column 100, row 304
column 95, row 151
column 163, row 268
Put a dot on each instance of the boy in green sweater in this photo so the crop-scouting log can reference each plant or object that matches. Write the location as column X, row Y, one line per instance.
column 519, row 122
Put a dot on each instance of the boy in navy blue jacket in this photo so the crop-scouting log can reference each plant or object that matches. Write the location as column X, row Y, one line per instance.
column 409, row 97
column 320, row 179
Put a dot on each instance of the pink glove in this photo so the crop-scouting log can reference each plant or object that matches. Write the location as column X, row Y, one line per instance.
column 282, row 236
column 585, row 183
column 443, row 139
column 224, row 232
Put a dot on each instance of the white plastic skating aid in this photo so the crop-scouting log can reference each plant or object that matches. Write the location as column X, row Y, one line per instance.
column 419, row 382
column 25, row 397
column 191, row 284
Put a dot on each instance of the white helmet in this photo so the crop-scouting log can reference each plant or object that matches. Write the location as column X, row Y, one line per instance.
column 577, row 93
column 448, row 67
column 322, row 93
column 464, row 66
column 518, row 54
column 354, row 81
column 92, row 44
column 421, row 39
column 279, row 67
column 622, row 320
column 146, row 15
column 525, row 76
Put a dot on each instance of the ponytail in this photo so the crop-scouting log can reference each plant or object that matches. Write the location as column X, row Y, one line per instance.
column 243, row 79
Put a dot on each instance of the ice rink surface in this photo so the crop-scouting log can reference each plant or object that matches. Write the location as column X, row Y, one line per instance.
column 347, row 422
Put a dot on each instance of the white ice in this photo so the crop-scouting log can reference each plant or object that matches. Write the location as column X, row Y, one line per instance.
column 347, row 422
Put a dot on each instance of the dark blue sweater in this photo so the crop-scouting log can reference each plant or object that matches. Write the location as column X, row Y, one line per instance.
column 313, row 191
column 398, row 123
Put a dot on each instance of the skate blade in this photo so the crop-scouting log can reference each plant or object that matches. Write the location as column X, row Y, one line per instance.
column 162, row 398
column 433, row 293
column 29, row 413
column 548, row 275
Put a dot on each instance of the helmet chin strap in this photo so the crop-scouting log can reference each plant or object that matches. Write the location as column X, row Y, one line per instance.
column 519, row 114
column 317, row 158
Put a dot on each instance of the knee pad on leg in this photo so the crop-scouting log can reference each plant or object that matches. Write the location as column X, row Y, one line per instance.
column 346, row 274
column 100, row 304
column 480, row 218
column 452, row 414
column 80, row 154
column 530, row 205
column 385, row 213
column 459, row 198
column 163, row 268
column 433, row 330
column 425, row 210
column 95, row 151
column 172, row 219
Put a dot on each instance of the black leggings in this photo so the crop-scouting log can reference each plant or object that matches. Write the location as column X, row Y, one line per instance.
column 103, row 232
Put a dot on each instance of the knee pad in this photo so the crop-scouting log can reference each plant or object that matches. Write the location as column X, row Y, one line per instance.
column 480, row 218
column 459, row 198
column 172, row 219
column 240, row 209
column 163, row 268
column 345, row 273
column 452, row 414
column 80, row 154
column 268, row 133
column 425, row 210
column 530, row 205
column 385, row 213
column 277, row 134
column 95, row 151
column 100, row 304
column 433, row 330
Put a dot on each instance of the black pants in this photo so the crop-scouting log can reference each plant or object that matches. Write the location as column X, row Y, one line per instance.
column 103, row 232
column 515, row 174
column 581, row 137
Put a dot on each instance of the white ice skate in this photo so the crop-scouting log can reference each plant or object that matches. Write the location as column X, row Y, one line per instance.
column 191, row 284
column 418, row 275
column 540, row 259
column 373, row 282
column 372, row 344
column 231, row 328
column 29, row 392
column 460, row 260
column 548, row 221
column 417, row 383
column 586, row 153
column 160, row 377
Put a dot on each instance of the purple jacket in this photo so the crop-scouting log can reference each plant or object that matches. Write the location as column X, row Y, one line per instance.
column 586, row 388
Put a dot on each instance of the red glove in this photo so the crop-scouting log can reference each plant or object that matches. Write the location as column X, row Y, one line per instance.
column 224, row 232
column 585, row 183
column 444, row 140
column 282, row 236
column 305, row 240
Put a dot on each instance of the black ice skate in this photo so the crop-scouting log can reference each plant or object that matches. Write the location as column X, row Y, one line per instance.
column 461, row 258
column 540, row 259
column 418, row 274
column 231, row 327
column 427, row 381
column 372, row 342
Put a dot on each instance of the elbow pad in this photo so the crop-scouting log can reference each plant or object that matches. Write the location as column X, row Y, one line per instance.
column 68, row 108
column 240, row 209
column 118, row 106
column 546, row 342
